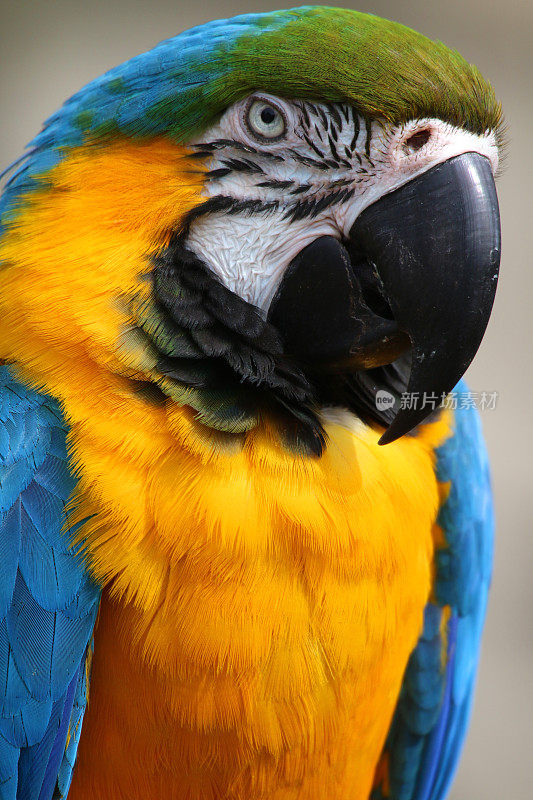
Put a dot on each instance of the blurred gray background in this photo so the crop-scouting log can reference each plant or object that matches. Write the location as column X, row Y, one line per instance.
column 50, row 48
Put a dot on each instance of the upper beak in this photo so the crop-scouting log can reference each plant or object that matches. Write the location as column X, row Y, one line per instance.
column 423, row 271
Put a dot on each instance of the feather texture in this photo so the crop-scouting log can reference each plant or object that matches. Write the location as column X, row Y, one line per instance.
column 44, row 630
column 262, row 606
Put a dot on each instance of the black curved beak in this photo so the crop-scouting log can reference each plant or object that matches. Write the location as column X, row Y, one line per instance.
column 436, row 246
column 422, row 269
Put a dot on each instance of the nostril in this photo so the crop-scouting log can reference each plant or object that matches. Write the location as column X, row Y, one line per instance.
column 416, row 141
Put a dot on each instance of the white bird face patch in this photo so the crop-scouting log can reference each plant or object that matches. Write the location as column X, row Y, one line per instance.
column 283, row 173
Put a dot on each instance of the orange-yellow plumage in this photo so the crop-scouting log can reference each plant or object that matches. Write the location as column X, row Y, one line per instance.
column 261, row 606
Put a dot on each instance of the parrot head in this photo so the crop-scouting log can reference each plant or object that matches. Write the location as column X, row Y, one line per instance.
column 258, row 219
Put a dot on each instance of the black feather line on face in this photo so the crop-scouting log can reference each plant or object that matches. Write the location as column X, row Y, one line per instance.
column 300, row 209
column 313, row 205
column 206, row 149
column 323, row 118
column 313, row 146
column 368, row 125
column 308, row 161
column 242, row 165
column 275, row 184
column 304, row 187
column 229, row 205
column 319, row 132
column 336, row 117
column 356, row 128
column 216, row 174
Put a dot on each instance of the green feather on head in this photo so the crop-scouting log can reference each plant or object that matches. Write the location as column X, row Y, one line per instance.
column 385, row 69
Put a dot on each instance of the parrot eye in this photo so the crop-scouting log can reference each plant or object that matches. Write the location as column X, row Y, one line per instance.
column 264, row 120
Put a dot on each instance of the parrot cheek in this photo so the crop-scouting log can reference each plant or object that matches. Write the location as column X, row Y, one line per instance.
column 420, row 271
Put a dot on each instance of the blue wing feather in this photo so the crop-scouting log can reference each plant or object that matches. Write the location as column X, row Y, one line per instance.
column 48, row 602
column 433, row 711
column 53, row 757
column 69, row 758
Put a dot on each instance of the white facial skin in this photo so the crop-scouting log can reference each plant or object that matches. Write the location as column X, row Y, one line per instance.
column 313, row 152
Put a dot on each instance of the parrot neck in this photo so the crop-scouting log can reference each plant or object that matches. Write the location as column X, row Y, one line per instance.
column 152, row 487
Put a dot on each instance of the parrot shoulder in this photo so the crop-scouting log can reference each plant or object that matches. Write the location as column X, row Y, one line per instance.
column 48, row 602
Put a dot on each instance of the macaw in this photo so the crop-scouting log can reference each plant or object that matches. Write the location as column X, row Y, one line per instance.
column 246, row 546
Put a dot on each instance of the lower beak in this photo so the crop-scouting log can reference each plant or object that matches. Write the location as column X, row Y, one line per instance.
column 420, row 270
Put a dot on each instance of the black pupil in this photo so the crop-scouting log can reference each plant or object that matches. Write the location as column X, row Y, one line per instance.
column 268, row 115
